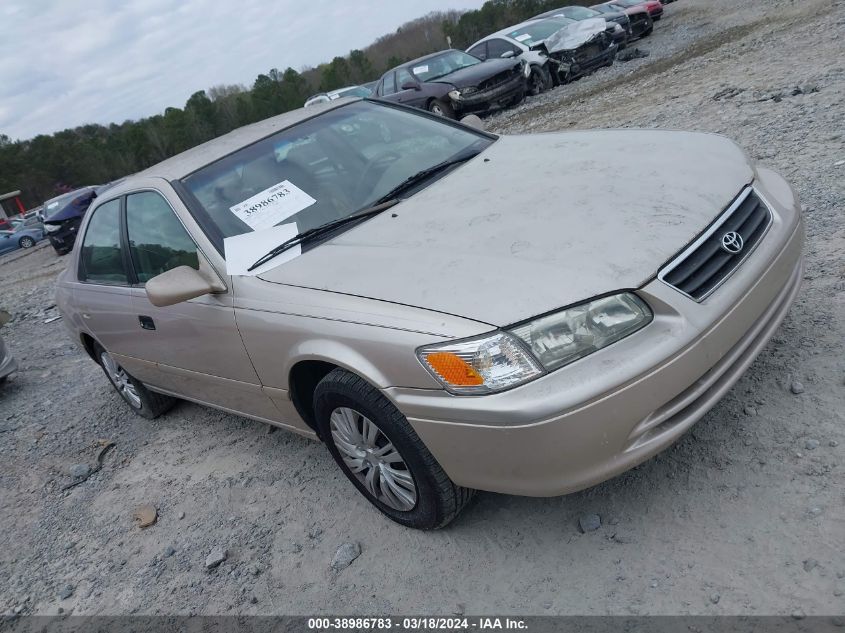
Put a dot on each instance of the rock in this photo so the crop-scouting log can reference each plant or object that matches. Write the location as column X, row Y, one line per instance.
column 796, row 388
column 837, row 592
column 715, row 597
column 810, row 564
column 814, row 512
column 79, row 471
column 344, row 556
column 811, row 445
column 145, row 515
column 253, row 600
column 589, row 523
column 839, row 163
column 798, row 614
column 217, row 556
column 750, row 411
column 180, row 516
column 169, row 551
column 833, row 443
column 315, row 532
column 66, row 592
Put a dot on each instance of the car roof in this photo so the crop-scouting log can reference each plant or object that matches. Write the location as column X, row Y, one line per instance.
column 190, row 160
column 504, row 32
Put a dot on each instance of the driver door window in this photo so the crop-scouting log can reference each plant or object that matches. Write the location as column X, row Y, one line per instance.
column 497, row 48
column 157, row 240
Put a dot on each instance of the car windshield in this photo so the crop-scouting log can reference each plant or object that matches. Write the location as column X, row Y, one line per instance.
column 579, row 13
column 322, row 169
column 536, row 32
column 604, row 8
column 442, row 65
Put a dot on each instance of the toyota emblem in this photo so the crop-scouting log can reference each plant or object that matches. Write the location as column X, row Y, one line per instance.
column 732, row 242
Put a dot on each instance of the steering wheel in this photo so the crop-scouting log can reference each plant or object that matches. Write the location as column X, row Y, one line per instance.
column 376, row 161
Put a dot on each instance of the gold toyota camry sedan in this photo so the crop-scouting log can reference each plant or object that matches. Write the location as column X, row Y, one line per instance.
column 446, row 309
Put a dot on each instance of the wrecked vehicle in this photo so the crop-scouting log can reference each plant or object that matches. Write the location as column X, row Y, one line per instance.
column 619, row 26
column 453, row 83
column 654, row 7
column 578, row 49
column 525, row 42
column 426, row 300
column 63, row 215
column 640, row 23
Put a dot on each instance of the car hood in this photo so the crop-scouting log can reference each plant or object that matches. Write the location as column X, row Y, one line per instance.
column 475, row 74
column 534, row 223
column 76, row 208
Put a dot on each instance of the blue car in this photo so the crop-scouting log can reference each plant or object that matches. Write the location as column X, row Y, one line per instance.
column 22, row 238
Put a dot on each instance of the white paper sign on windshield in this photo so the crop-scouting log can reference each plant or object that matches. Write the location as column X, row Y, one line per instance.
column 242, row 251
column 417, row 70
column 273, row 205
column 523, row 37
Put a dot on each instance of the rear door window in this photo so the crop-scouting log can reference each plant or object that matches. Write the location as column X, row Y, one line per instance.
column 101, row 256
column 157, row 240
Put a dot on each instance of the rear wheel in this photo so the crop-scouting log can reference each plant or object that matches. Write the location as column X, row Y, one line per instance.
column 141, row 400
column 441, row 108
column 26, row 242
column 382, row 456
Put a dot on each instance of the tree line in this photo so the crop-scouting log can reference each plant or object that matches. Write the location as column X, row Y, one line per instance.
column 50, row 164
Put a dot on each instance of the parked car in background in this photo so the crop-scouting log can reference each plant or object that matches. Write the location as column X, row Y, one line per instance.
column 27, row 222
column 349, row 91
column 63, row 215
column 654, row 7
column 525, row 42
column 453, row 83
column 619, row 24
column 639, row 21
column 8, row 364
column 20, row 238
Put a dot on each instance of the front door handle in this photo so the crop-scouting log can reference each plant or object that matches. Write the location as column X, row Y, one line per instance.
column 146, row 322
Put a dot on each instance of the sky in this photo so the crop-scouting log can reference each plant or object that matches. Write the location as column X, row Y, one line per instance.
column 64, row 63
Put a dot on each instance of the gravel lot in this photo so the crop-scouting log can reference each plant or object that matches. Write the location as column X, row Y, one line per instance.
column 745, row 515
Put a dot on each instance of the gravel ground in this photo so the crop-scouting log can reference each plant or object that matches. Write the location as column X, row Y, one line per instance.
column 745, row 515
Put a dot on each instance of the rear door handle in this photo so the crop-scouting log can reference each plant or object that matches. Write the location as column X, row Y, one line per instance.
column 146, row 322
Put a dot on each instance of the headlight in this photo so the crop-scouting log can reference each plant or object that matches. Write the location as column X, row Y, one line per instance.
column 563, row 337
column 502, row 360
column 455, row 95
column 526, row 69
column 482, row 365
column 52, row 228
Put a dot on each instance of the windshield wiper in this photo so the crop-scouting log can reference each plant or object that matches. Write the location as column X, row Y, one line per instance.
column 328, row 227
column 388, row 200
column 420, row 176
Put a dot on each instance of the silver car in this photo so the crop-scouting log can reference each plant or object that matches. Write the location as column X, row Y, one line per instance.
column 446, row 309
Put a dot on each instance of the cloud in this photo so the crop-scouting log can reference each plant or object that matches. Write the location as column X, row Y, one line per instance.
column 68, row 63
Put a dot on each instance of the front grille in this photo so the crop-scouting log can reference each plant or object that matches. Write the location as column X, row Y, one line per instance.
column 706, row 263
column 495, row 80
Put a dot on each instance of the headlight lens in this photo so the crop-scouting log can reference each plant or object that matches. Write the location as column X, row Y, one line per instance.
column 563, row 337
column 454, row 95
column 482, row 365
column 52, row 228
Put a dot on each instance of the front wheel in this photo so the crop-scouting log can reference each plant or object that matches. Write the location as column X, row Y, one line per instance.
column 26, row 242
column 441, row 108
column 539, row 81
column 141, row 400
column 382, row 456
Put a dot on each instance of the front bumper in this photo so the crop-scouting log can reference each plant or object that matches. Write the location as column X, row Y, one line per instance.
column 497, row 96
column 594, row 419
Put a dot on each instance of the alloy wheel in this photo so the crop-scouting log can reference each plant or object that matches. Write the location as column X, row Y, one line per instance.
column 373, row 459
column 120, row 379
column 27, row 242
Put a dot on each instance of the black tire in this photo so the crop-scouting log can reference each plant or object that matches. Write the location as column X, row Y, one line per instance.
column 149, row 404
column 26, row 242
column 539, row 81
column 438, row 500
column 441, row 108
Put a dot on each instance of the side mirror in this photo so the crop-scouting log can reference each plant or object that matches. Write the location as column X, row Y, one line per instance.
column 177, row 285
column 472, row 120
column 410, row 85
column 507, row 54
